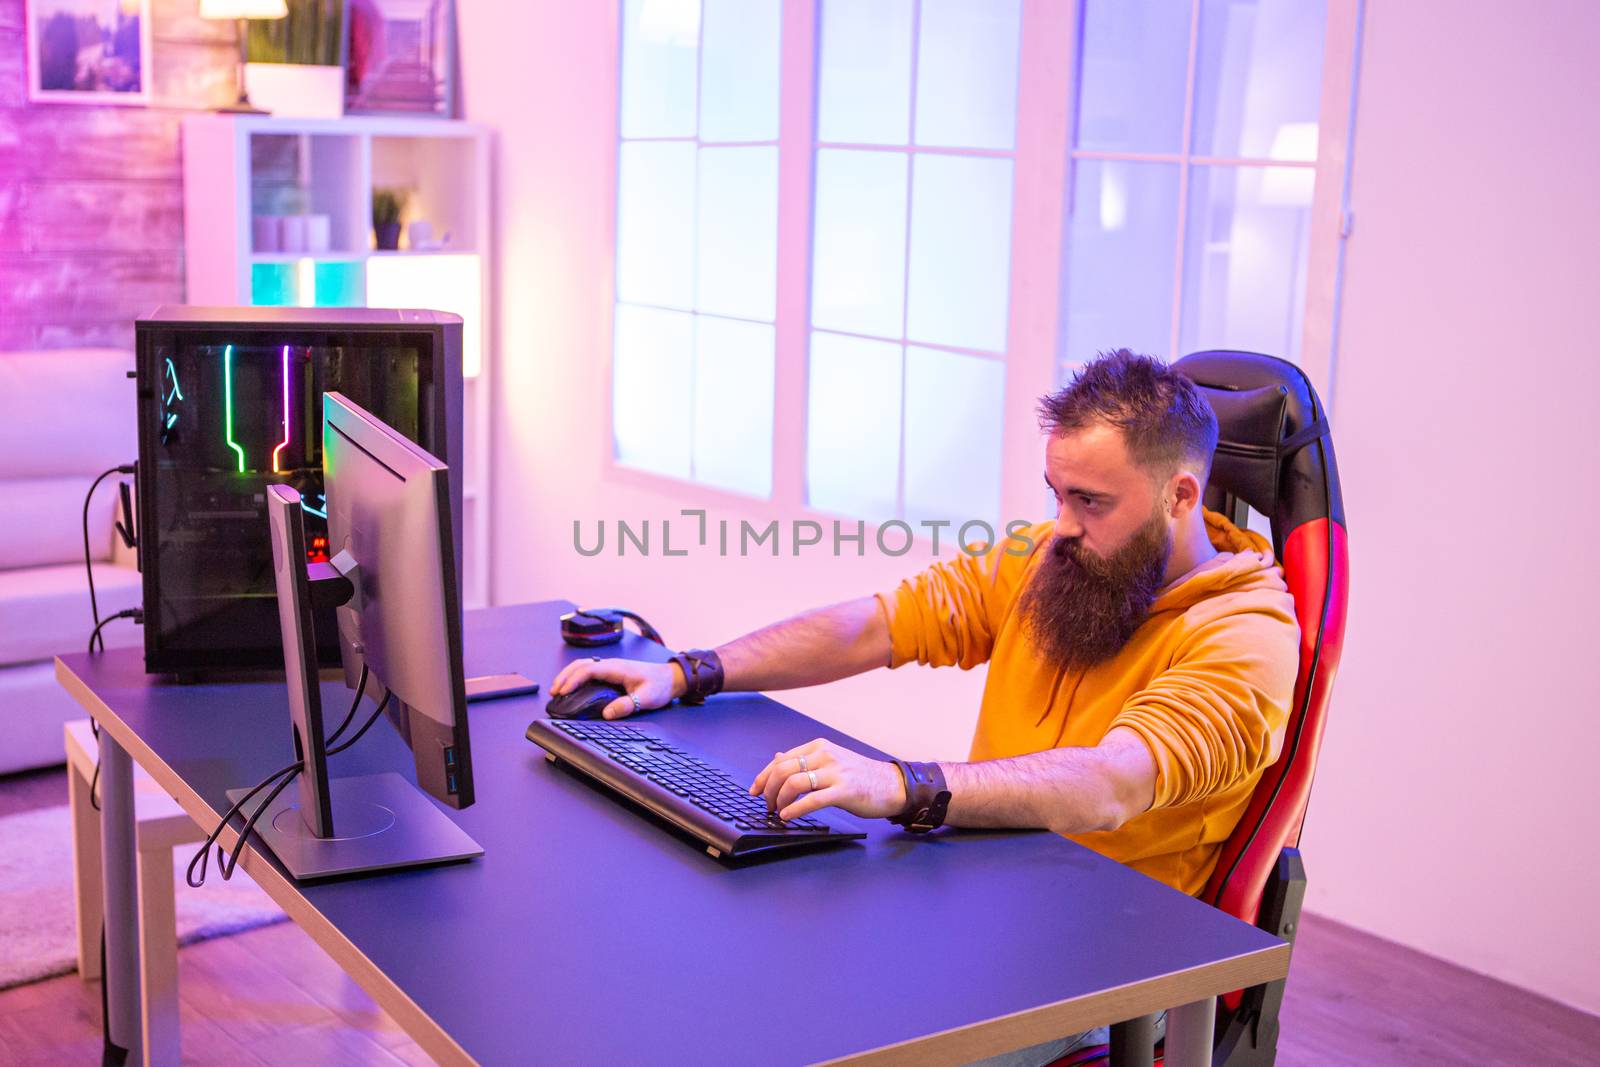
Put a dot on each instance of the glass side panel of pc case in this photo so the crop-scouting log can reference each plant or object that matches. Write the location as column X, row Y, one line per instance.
column 229, row 415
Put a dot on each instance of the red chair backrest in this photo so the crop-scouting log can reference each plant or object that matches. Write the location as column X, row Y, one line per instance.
column 1276, row 455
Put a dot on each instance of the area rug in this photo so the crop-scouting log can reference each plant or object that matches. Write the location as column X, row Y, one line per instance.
column 38, row 925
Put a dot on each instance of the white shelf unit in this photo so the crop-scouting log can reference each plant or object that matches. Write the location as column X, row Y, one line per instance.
column 238, row 167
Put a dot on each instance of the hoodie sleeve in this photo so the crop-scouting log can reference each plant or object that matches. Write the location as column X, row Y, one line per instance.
column 1216, row 716
column 948, row 615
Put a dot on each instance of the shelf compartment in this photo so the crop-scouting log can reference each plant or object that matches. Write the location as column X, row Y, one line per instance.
column 304, row 281
column 437, row 282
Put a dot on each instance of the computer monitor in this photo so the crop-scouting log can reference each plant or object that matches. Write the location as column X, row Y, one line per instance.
column 393, row 579
column 389, row 509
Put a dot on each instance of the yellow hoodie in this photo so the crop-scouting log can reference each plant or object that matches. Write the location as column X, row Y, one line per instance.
column 1206, row 681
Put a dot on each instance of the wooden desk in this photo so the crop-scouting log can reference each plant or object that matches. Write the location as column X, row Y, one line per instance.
column 587, row 933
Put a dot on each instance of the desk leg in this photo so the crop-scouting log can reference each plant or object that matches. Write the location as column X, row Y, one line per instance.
column 1190, row 1033
column 158, row 957
column 1133, row 1042
column 118, row 868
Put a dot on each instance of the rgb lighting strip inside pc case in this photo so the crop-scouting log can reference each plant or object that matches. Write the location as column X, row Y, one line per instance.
column 230, row 401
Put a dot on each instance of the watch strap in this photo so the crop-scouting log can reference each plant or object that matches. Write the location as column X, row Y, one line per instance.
column 927, row 797
column 702, row 674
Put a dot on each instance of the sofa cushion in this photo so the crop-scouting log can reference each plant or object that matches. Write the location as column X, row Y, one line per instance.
column 69, row 411
column 44, row 521
column 44, row 611
column 33, row 708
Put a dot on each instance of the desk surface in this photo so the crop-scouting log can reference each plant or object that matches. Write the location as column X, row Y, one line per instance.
column 586, row 933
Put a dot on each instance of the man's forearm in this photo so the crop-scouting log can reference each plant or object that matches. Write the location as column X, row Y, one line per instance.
column 822, row 645
column 1068, row 790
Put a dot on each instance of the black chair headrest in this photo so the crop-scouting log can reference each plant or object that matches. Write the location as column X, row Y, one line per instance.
column 1273, row 450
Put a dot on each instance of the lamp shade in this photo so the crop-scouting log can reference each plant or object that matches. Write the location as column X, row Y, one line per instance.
column 243, row 9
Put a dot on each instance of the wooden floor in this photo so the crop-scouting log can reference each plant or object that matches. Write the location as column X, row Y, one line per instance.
column 270, row 996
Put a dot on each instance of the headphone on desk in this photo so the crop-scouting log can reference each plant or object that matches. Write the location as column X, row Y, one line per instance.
column 592, row 627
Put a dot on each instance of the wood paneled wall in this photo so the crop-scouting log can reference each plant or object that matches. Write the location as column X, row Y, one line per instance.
column 91, row 197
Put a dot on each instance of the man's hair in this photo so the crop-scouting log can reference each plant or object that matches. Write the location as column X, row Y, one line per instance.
column 1164, row 420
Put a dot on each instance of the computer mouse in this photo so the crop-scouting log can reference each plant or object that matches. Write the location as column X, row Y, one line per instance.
column 585, row 702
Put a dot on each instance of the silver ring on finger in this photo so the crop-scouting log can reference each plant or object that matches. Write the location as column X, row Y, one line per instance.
column 596, row 659
column 635, row 703
column 812, row 775
column 803, row 766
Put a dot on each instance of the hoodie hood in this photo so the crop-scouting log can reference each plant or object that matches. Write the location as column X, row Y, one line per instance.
column 1244, row 564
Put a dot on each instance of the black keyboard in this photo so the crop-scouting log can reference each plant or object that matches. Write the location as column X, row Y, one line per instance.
column 679, row 786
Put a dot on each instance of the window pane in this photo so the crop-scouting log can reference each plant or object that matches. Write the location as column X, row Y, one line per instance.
column 864, row 72
column 733, row 377
column 858, row 264
column 737, row 260
column 650, row 389
column 655, row 223
column 659, row 43
column 853, row 426
column 1259, row 78
column 1121, row 252
column 960, row 251
column 1134, row 68
column 954, row 421
column 1244, row 270
column 739, row 71
column 967, row 73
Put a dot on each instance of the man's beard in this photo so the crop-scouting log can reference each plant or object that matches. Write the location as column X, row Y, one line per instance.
column 1081, row 608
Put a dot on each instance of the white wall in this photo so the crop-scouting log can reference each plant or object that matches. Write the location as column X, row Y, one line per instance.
column 1455, row 804
column 1455, row 807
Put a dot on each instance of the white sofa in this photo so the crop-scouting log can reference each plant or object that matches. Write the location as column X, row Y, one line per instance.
column 65, row 416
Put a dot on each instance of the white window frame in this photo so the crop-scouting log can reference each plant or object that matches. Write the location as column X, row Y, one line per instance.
column 1047, row 82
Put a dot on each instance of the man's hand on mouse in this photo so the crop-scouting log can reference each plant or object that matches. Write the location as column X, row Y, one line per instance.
column 653, row 685
column 821, row 774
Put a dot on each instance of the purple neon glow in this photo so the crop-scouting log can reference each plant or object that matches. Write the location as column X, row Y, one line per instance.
column 285, row 442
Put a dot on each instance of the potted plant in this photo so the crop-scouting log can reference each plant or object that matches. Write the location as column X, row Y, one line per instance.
column 386, row 207
column 294, row 67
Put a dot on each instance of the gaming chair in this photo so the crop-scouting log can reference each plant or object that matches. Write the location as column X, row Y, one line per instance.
column 1274, row 455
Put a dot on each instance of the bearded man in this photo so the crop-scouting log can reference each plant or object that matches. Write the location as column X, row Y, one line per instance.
column 1141, row 650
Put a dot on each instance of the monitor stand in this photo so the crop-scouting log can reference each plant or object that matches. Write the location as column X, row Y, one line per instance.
column 328, row 826
column 384, row 822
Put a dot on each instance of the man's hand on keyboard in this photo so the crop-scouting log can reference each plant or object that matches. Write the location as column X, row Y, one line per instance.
column 653, row 685
column 822, row 774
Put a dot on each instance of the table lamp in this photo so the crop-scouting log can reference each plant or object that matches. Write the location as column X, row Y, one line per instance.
column 241, row 10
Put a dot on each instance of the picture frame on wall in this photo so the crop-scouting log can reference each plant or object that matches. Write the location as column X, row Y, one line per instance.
column 88, row 51
column 400, row 57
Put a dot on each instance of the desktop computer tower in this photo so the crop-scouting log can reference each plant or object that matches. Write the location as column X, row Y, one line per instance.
column 230, row 402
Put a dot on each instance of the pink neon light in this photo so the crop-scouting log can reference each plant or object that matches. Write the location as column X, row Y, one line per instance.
column 285, row 442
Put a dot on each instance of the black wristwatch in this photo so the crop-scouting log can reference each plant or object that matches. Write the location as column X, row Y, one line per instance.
column 927, row 797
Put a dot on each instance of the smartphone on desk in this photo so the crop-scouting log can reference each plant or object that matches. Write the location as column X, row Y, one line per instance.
column 496, row 686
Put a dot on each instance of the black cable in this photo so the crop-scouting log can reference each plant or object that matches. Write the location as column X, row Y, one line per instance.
column 137, row 616
column 127, row 613
column 88, row 565
column 111, row 1055
column 361, row 687
column 226, row 863
column 364, row 726
column 94, row 782
column 204, row 853
column 202, row 856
